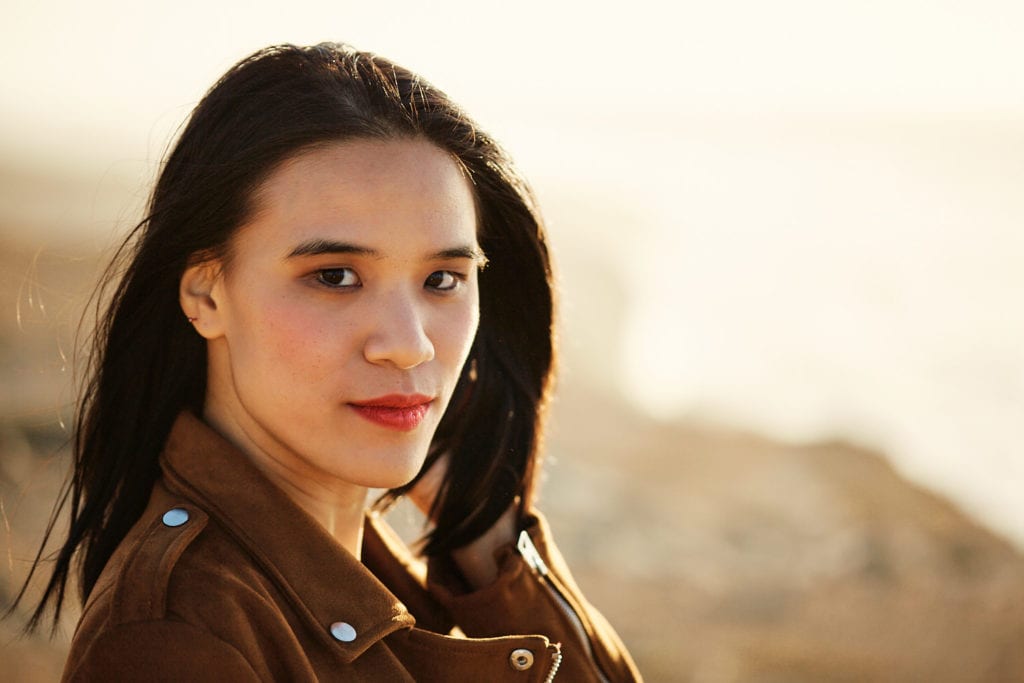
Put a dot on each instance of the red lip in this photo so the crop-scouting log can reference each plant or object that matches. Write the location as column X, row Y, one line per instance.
column 403, row 412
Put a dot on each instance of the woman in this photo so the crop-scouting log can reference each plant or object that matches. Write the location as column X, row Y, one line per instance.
column 341, row 284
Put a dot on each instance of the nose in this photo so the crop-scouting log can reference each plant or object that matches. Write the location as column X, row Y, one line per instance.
column 398, row 337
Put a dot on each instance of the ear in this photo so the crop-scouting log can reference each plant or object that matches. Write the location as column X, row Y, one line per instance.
column 198, row 293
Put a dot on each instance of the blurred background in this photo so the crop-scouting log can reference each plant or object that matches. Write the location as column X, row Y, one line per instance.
column 787, row 440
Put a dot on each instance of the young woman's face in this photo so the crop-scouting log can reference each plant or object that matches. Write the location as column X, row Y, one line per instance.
column 341, row 321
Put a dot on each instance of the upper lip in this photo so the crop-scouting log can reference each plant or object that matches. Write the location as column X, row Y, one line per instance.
column 395, row 401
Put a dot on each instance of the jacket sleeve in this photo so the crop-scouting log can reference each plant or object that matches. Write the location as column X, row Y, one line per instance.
column 158, row 651
column 536, row 594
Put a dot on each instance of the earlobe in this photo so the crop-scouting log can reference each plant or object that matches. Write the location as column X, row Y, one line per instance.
column 198, row 294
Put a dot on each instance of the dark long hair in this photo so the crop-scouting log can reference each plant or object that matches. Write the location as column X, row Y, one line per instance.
column 147, row 364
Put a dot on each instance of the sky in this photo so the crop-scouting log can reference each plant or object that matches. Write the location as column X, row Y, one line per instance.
column 126, row 69
column 807, row 213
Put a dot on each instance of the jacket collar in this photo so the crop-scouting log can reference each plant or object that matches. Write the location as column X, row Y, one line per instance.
column 323, row 581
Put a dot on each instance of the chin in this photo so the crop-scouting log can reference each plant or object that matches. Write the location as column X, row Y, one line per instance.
column 385, row 481
column 394, row 477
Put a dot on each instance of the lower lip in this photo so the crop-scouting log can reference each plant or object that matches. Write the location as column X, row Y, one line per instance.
column 402, row 419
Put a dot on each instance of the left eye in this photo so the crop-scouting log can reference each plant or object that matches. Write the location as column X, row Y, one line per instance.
column 442, row 281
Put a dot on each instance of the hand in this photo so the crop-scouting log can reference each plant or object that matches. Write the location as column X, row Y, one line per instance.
column 476, row 560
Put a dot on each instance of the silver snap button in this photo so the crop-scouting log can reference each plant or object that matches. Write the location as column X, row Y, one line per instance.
column 175, row 517
column 521, row 660
column 343, row 632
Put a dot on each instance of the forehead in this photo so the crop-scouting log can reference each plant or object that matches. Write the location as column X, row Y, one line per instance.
column 373, row 192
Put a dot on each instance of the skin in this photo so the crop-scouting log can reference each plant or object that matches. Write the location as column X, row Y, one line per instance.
column 299, row 328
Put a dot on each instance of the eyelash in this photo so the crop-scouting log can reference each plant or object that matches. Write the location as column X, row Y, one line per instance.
column 457, row 279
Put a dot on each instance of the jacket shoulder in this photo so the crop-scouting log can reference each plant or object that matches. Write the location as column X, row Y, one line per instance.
column 141, row 576
column 131, row 595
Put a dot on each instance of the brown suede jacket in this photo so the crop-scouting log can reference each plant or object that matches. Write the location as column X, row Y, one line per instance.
column 224, row 579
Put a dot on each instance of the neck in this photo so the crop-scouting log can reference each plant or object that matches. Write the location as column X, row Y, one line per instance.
column 338, row 506
column 339, row 512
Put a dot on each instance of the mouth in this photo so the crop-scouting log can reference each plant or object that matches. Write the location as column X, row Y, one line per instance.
column 401, row 412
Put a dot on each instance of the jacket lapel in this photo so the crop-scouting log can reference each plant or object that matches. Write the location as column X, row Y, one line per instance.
column 325, row 584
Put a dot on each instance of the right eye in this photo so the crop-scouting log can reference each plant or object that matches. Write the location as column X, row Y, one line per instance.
column 338, row 278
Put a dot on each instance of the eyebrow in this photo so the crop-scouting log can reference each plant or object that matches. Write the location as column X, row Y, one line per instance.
column 317, row 247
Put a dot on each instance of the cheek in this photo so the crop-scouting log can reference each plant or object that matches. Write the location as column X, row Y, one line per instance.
column 290, row 337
